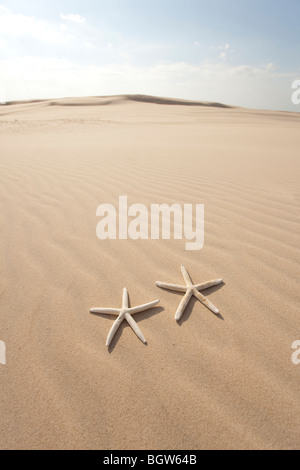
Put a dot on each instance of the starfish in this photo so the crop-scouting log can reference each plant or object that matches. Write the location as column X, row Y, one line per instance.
column 191, row 290
column 124, row 313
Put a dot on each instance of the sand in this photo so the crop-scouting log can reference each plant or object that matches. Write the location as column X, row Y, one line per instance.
column 207, row 383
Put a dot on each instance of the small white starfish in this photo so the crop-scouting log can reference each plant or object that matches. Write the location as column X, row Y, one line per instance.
column 190, row 290
column 124, row 313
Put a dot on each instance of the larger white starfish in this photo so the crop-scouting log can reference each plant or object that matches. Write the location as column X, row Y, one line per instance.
column 124, row 313
column 190, row 290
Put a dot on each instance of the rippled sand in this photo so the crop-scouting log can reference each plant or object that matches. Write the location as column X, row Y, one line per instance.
column 208, row 383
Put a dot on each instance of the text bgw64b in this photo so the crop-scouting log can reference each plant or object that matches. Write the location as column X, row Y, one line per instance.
column 136, row 223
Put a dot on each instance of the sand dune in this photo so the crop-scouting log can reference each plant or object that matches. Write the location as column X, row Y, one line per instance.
column 116, row 99
column 208, row 383
column 171, row 101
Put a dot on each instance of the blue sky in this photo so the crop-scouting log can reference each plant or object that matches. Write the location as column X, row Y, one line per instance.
column 238, row 52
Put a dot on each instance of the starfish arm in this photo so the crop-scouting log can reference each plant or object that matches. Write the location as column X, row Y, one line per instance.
column 135, row 328
column 205, row 302
column 207, row 285
column 141, row 308
column 186, row 276
column 183, row 304
column 113, row 330
column 105, row 311
column 125, row 298
column 173, row 287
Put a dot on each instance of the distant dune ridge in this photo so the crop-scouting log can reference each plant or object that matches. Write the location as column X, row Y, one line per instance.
column 102, row 101
column 208, row 383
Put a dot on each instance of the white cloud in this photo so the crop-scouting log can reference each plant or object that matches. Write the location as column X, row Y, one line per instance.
column 271, row 66
column 89, row 45
column 3, row 43
column 13, row 25
column 75, row 18
column 3, row 9
column 224, row 47
column 223, row 50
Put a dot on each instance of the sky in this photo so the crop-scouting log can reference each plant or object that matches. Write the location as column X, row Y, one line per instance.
column 237, row 52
